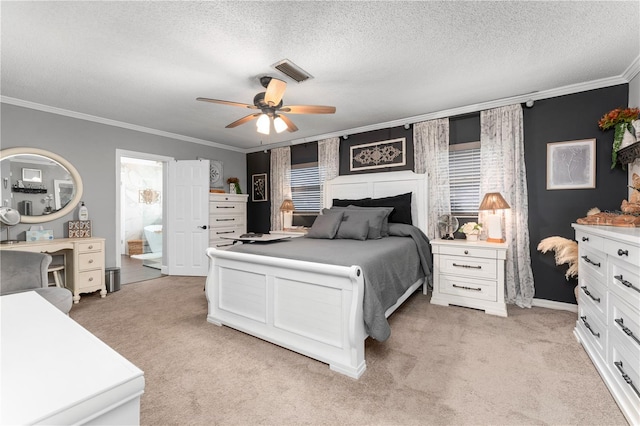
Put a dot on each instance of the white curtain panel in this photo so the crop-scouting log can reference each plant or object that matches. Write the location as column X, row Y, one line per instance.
column 431, row 156
column 328, row 160
column 280, row 183
column 503, row 171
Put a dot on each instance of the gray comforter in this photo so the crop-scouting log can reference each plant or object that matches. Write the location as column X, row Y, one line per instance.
column 390, row 265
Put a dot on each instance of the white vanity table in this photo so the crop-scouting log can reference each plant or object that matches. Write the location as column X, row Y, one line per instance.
column 56, row 372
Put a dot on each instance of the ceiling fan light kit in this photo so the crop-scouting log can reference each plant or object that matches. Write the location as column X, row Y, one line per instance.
column 271, row 106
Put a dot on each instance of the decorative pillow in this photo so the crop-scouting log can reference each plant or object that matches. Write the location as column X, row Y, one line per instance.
column 353, row 228
column 376, row 217
column 326, row 225
column 337, row 202
column 401, row 206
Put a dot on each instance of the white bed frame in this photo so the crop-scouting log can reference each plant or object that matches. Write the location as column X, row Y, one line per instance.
column 310, row 308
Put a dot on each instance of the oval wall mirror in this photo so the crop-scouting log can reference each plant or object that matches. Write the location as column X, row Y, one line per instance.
column 40, row 185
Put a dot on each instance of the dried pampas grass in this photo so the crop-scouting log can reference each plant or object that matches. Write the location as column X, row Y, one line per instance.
column 566, row 251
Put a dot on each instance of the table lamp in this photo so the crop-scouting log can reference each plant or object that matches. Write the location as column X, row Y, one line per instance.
column 287, row 209
column 493, row 201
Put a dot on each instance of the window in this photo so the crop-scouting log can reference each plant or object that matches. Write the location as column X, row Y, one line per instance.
column 305, row 188
column 464, row 178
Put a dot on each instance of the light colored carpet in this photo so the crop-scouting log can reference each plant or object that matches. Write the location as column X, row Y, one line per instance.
column 442, row 365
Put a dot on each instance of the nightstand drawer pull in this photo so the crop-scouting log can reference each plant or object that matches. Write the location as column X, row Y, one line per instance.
column 225, row 220
column 586, row 324
column 224, row 232
column 468, row 266
column 467, row 288
column 90, row 247
column 90, row 279
column 626, row 377
column 595, row 299
column 626, row 283
column 623, row 252
column 585, row 238
column 586, row 259
column 225, row 207
column 90, row 261
column 626, row 330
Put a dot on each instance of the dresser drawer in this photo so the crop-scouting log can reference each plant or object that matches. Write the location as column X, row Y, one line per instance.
column 226, row 221
column 221, row 243
column 593, row 262
column 227, row 208
column 588, row 240
column 625, row 368
column 474, row 267
column 468, row 288
column 468, row 251
column 624, row 321
column 593, row 329
column 623, row 251
column 593, row 293
column 90, row 246
column 89, row 281
column 230, row 231
column 624, row 281
column 88, row 261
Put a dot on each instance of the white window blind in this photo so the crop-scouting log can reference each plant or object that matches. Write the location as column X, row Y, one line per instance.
column 305, row 188
column 464, row 178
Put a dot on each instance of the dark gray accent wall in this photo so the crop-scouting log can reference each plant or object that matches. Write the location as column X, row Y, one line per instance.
column 91, row 148
column 259, row 213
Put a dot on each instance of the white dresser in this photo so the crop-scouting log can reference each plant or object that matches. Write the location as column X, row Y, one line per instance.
column 608, row 324
column 227, row 218
column 469, row 274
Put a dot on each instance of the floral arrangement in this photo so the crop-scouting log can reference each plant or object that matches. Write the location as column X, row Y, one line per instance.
column 234, row 185
column 471, row 228
column 621, row 120
column 233, row 180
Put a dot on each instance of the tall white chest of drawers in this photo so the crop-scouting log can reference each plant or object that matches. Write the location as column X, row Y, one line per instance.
column 227, row 218
column 608, row 325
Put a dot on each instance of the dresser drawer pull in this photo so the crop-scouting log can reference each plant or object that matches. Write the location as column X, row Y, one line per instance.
column 224, row 245
column 225, row 207
column 90, row 279
column 90, row 261
column 595, row 299
column 626, row 283
column 225, row 220
column 467, row 288
column 224, row 232
column 623, row 252
column 90, row 247
column 586, row 324
column 586, row 259
column 585, row 238
column 626, row 330
column 626, row 377
column 467, row 266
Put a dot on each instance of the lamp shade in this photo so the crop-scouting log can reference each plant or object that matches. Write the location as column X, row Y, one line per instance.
column 263, row 124
column 493, row 201
column 287, row 206
column 279, row 125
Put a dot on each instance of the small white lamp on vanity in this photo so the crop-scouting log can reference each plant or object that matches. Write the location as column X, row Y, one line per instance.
column 287, row 209
column 493, row 201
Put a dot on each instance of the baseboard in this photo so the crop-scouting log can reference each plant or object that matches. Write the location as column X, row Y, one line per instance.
column 552, row 304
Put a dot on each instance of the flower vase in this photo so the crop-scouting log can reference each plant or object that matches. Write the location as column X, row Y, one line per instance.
column 472, row 237
column 233, row 189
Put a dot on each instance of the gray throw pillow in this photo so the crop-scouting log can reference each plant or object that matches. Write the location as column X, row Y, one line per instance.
column 326, row 225
column 377, row 217
column 353, row 228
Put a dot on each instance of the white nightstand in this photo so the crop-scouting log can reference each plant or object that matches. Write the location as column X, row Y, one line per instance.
column 469, row 274
column 293, row 233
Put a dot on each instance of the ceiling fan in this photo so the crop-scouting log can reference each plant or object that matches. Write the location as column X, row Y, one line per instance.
column 271, row 108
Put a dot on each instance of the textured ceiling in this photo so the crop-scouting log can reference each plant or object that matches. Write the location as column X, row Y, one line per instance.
column 144, row 63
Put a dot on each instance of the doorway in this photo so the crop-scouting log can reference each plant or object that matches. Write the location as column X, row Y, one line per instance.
column 141, row 212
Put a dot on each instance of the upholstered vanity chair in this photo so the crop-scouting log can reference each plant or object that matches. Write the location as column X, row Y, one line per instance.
column 26, row 271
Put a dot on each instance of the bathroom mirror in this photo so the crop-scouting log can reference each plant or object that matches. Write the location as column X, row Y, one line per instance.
column 55, row 195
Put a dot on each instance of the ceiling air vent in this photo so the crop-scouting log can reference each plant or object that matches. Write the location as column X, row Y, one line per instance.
column 291, row 70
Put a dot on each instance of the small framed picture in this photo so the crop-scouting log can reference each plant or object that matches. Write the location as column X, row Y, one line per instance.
column 259, row 187
column 571, row 165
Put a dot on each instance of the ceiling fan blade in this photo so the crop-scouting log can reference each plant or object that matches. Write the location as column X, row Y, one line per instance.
column 243, row 120
column 290, row 126
column 218, row 101
column 308, row 109
column 275, row 91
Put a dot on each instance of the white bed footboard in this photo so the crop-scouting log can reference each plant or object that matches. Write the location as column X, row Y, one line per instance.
column 311, row 308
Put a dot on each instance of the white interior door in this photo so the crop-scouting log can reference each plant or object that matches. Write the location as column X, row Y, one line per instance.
column 188, row 217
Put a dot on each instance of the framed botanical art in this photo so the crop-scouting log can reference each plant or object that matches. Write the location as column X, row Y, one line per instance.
column 259, row 187
column 571, row 165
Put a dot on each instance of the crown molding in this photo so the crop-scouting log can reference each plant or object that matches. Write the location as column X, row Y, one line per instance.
column 115, row 123
column 632, row 70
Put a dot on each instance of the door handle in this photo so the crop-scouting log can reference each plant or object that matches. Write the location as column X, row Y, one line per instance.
column 203, row 227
